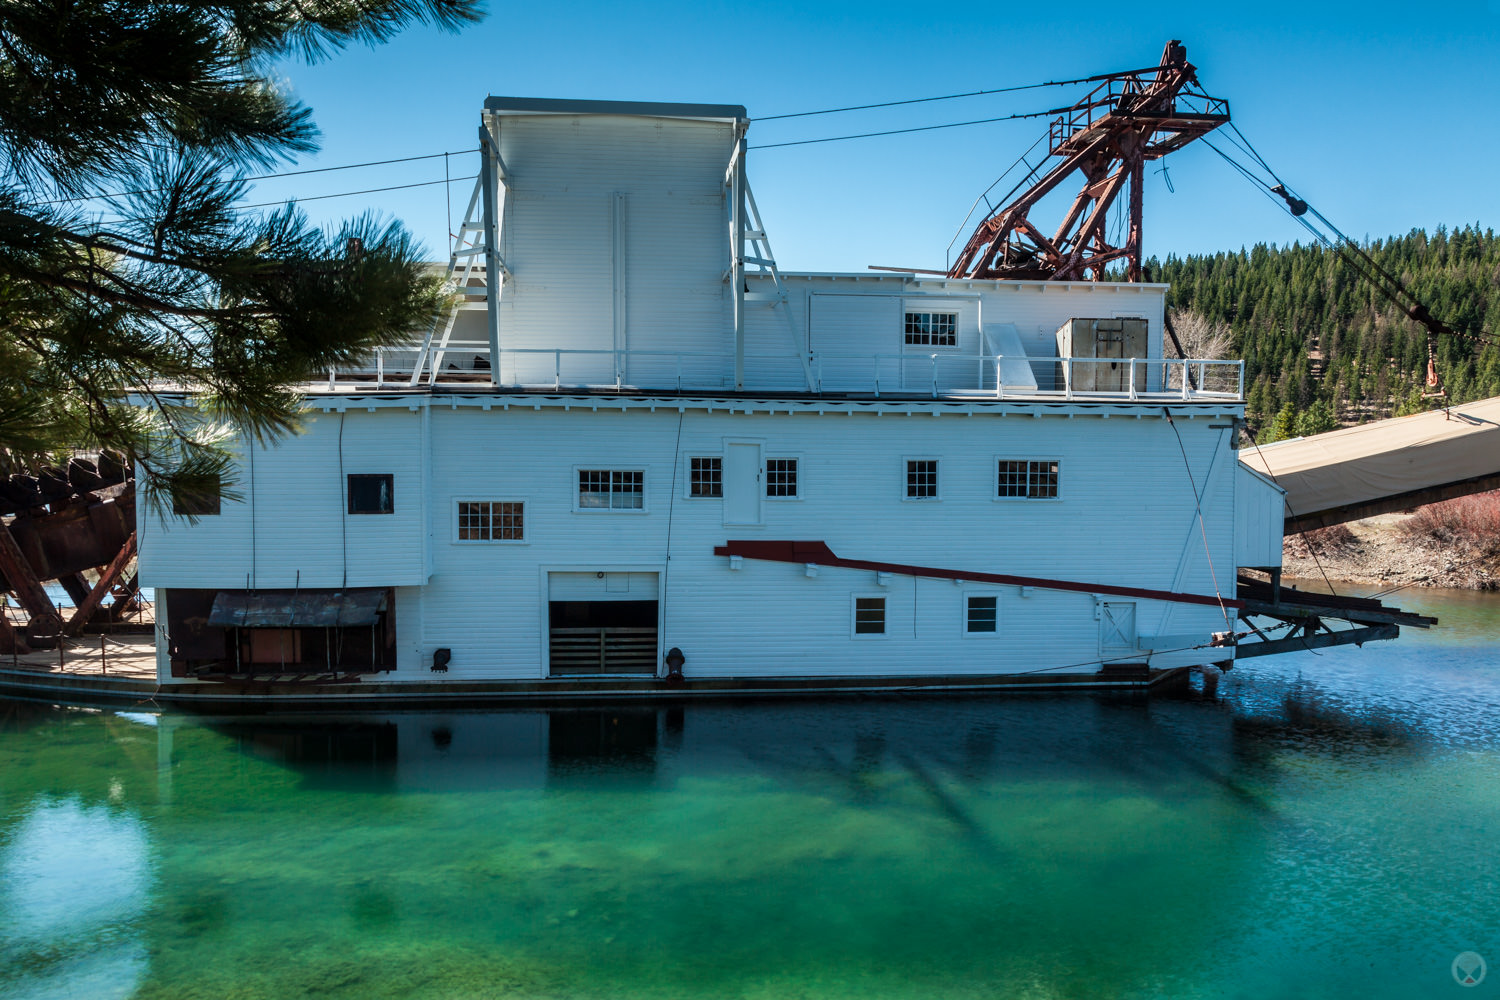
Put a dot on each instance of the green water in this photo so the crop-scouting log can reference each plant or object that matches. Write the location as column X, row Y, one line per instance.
column 1318, row 826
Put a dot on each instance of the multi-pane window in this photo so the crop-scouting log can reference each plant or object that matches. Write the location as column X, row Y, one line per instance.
column 921, row 479
column 371, row 494
column 932, row 329
column 491, row 521
column 611, row 489
column 706, row 477
column 781, row 477
column 1027, row 480
column 980, row 614
column 869, row 615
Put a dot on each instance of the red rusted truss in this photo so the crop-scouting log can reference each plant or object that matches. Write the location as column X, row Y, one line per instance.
column 1108, row 136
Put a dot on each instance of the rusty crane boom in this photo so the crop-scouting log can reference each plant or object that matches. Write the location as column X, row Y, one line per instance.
column 1107, row 136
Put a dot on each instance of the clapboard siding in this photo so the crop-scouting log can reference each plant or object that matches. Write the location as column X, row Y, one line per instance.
column 847, row 319
column 291, row 527
column 564, row 173
column 573, row 180
column 1260, row 518
column 1126, row 517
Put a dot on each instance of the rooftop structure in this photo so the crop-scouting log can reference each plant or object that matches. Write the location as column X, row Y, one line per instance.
column 617, row 247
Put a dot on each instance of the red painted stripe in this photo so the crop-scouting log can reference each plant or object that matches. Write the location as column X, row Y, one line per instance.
column 820, row 554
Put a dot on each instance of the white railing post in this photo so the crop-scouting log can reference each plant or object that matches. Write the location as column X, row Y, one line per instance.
column 818, row 363
column 331, row 377
column 619, row 372
column 1068, row 377
column 379, row 366
column 557, row 369
column 1185, row 367
column 934, row 376
column 1132, row 378
column 999, row 376
column 1240, row 367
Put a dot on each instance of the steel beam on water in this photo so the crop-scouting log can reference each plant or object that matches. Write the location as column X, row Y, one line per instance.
column 1292, row 644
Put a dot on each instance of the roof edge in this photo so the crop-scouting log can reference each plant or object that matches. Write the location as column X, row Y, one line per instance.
column 643, row 109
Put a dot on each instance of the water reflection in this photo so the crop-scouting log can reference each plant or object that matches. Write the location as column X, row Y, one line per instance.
column 74, row 881
column 852, row 744
column 938, row 846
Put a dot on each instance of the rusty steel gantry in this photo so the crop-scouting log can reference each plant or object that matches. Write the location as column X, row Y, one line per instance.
column 1127, row 119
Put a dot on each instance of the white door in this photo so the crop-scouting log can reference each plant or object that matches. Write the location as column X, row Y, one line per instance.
column 1117, row 629
column 742, row 485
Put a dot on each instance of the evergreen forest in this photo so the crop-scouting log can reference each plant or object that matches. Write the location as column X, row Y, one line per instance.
column 1323, row 348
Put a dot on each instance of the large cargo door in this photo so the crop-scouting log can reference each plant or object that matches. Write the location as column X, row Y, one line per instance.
column 601, row 623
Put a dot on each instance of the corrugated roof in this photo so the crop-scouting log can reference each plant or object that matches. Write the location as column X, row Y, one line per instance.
column 1383, row 459
column 645, row 109
column 297, row 608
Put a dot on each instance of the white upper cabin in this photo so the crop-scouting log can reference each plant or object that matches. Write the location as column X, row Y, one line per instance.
column 618, row 230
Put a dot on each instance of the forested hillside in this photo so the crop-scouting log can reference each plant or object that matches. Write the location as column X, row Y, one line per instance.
column 1322, row 348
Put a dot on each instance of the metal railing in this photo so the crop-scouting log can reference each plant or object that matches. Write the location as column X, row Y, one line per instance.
column 933, row 374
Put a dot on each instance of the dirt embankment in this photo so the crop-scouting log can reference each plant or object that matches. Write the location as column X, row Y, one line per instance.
column 1444, row 545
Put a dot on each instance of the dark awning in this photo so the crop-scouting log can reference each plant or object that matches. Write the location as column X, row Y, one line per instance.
column 297, row 608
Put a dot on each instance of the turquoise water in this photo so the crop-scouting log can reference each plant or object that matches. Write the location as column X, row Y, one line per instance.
column 1317, row 826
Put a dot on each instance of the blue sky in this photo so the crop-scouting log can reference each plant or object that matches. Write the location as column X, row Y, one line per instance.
column 1381, row 115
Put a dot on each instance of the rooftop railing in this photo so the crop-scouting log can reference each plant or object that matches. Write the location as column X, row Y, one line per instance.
column 932, row 374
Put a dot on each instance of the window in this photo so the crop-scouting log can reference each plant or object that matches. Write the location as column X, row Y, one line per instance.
column 921, row 479
column 1027, row 480
column 930, row 329
column 781, row 477
column 371, row 494
column 869, row 616
column 980, row 614
column 491, row 521
column 202, row 502
column 706, row 477
column 611, row 489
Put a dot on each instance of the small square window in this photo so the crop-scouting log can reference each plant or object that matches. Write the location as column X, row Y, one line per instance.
column 932, row 329
column 200, row 504
column 1041, row 480
column 611, row 489
column 781, row 477
column 371, row 494
column 491, row 521
column 921, row 479
column 869, row 616
column 706, row 477
column 981, row 614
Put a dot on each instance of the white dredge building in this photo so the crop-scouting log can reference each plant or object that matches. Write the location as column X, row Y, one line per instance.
column 636, row 436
